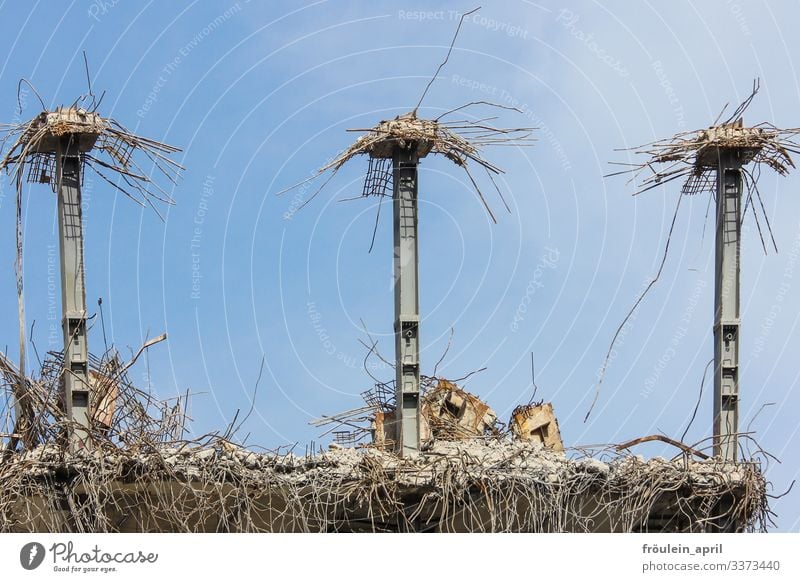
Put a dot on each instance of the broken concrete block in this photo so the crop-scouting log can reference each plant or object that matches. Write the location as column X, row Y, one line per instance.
column 446, row 413
column 538, row 423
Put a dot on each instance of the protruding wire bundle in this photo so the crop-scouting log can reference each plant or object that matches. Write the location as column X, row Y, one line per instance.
column 104, row 145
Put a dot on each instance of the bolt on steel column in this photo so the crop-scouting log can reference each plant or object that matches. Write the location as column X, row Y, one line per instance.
column 406, row 295
column 73, row 293
column 726, row 318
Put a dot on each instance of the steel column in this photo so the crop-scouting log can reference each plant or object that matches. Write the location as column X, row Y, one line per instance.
column 726, row 319
column 406, row 299
column 73, row 293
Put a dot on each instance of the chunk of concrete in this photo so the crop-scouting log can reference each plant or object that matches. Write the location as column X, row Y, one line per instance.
column 538, row 423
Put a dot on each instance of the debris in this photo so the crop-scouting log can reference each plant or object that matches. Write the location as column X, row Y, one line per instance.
column 104, row 401
column 459, row 141
column 447, row 412
column 122, row 415
column 33, row 147
column 451, row 413
column 694, row 156
column 456, row 486
column 538, row 423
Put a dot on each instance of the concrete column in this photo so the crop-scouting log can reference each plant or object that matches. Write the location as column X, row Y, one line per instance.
column 406, row 295
column 726, row 318
column 73, row 292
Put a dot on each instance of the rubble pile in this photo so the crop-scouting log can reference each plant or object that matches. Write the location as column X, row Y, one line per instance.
column 475, row 486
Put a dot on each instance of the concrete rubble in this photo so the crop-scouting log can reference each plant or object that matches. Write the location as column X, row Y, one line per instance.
column 538, row 423
column 512, row 458
column 494, row 484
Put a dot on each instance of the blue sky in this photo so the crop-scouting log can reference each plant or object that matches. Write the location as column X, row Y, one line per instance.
column 260, row 96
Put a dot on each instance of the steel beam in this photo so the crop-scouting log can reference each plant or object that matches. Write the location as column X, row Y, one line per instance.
column 406, row 299
column 73, row 293
column 726, row 305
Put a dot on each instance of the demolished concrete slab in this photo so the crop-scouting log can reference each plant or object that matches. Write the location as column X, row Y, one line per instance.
column 491, row 485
